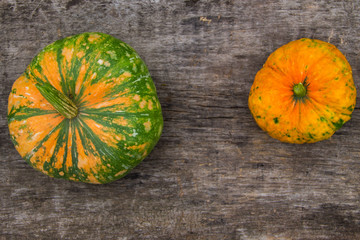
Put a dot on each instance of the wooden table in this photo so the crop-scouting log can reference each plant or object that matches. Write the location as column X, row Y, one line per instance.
column 214, row 174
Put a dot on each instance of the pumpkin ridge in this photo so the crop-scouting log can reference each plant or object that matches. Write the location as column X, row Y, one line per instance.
column 336, row 110
column 296, row 59
column 131, row 81
column 29, row 155
column 65, row 79
column 32, row 77
column 333, row 106
column 331, row 52
column 68, row 80
column 76, row 62
column 40, row 79
column 108, row 123
column 276, row 69
column 319, row 60
column 63, row 82
column 80, row 97
column 80, row 174
column 104, row 40
column 318, row 112
column 26, row 113
column 74, row 72
column 86, row 148
column 298, row 125
column 90, row 111
column 99, row 74
column 61, row 138
column 100, row 145
column 282, row 83
column 119, row 64
column 67, row 170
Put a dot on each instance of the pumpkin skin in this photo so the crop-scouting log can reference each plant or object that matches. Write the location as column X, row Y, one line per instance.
column 304, row 92
column 119, row 117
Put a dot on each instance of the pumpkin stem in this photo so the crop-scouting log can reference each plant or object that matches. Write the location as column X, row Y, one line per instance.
column 58, row 100
column 299, row 90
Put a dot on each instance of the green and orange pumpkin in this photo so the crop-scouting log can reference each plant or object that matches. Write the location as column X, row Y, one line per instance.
column 85, row 109
column 304, row 92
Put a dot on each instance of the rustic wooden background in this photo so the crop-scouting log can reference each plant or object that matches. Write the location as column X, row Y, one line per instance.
column 214, row 173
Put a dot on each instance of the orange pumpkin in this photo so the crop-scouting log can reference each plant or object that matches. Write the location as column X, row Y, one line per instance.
column 304, row 92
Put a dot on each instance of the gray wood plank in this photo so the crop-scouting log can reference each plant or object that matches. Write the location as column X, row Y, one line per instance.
column 214, row 173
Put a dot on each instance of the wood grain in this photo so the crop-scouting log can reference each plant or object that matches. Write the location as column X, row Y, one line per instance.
column 214, row 173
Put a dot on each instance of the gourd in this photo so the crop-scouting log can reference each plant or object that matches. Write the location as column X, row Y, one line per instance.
column 86, row 109
column 304, row 92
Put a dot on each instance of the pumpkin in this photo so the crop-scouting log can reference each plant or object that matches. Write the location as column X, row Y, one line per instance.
column 304, row 92
column 86, row 109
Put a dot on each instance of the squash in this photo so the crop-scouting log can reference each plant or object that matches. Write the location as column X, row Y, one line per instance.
column 86, row 109
column 304, row 92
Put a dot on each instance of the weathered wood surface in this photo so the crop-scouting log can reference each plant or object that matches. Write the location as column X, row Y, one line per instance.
column 214, row 173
